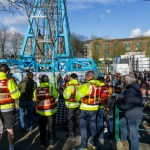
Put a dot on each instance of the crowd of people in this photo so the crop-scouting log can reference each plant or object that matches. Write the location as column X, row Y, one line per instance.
column 89, row 104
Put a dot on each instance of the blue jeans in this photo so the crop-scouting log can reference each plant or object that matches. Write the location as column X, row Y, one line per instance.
column 28, row 107
column 123, row 129
column 110, row 125
column 100, row 123
column 85, row 118
column 133, row 126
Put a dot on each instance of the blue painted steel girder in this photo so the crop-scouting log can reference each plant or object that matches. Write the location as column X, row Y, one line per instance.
column 47, row 44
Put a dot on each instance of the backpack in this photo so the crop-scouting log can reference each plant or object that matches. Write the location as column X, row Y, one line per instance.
column 104, row 94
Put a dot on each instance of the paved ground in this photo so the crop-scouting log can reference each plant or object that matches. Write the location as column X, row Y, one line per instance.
column 30, row 141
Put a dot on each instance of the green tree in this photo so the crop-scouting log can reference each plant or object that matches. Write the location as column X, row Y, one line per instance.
column 106, row 51
column 147, row 53
column 96, row 48
column 118, row 49
column 78, row 44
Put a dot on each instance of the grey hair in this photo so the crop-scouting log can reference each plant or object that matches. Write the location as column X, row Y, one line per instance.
column 130, row 78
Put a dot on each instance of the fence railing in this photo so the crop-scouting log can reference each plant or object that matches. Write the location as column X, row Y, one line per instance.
column 116, row 124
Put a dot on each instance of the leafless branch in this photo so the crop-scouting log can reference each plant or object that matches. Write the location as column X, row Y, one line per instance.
column 15, row 6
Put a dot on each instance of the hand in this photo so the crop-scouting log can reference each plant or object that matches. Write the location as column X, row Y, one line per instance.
column 16, row 104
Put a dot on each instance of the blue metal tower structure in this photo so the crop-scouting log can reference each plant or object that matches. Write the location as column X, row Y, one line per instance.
column 47, row 44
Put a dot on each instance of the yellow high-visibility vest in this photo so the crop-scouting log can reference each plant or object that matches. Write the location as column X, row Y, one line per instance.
column 14, row 93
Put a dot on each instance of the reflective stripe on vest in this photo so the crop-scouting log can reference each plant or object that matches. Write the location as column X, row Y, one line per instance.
column 44, row 100
column 7, row 107
column 94, row 96
column 5, row 97
column 48, row 112
column 89, row 107
column 72, row 104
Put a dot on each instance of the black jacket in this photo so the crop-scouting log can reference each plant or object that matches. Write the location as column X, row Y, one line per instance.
column 132, row 102
column 26, row 88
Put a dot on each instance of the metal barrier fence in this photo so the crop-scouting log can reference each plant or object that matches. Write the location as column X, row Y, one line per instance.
column 116, row 123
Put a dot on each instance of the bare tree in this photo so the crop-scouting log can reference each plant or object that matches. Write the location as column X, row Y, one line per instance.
column 13, row 6
column 15, row 43
column 78, row 44
column 3, row 40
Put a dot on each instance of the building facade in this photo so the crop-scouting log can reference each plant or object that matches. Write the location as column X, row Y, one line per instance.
column 111, row 48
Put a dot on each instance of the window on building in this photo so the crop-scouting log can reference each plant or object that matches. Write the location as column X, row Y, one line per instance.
column 138, row 47
column 127, row 47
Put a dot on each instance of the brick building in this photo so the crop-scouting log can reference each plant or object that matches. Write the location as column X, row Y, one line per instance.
column 110, row 48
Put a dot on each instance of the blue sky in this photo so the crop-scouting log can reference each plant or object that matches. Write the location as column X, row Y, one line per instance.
column 101, row 18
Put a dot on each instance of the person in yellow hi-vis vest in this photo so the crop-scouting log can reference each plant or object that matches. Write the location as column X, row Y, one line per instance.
column 8, row 94
column 45, row 96
column 72, row 106
column 89, row 96
column 100, row 116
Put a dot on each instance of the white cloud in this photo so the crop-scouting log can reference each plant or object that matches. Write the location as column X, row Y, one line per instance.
column 136, row 33
column 146, row 33
column 14, row 20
